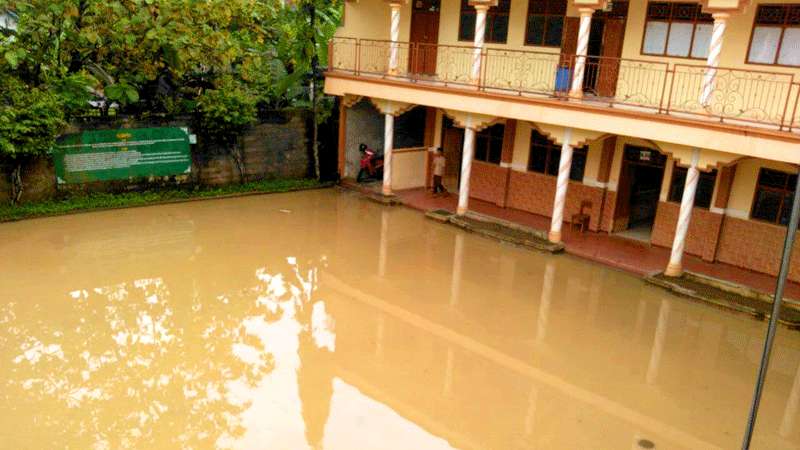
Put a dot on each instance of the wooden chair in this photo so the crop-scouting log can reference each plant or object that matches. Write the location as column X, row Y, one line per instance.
column 583, row 217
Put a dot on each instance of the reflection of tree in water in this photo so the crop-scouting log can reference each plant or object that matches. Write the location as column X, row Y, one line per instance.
column 316, row 343
column 128, row 366
column 315, row 373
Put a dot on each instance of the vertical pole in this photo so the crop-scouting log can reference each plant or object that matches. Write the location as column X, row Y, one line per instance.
column 714, row 50
column 395, row 37
column 480, row 33
column 791, row 232
column 675, row 268
column 388, row 144
column 466, row 170
column 564, row 166
column 581, row 52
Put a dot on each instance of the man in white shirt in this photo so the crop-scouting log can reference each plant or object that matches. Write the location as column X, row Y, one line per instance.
column 439, row 163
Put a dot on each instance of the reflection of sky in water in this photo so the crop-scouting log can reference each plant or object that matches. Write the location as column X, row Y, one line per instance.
column 128, row 366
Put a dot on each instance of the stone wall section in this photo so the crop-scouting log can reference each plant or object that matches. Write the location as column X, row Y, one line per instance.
column 756, row 246
column 704, row 230
column 488, row 182
column 534, row 192
column 275, row 149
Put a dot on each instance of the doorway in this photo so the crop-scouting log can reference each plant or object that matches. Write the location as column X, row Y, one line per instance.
column 639, row 191
column 452, row 148
column 424, row 36
column 605, row 48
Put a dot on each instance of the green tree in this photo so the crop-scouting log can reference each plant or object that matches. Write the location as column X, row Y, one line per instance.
column 223, row 115
column 30, row 121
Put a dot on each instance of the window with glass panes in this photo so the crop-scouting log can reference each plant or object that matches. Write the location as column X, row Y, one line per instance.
column 677, row 29
column 705, row 186
column 545, row 156
column 545, row 22
column 496, row 22
column 776, row 36
column 489, row 144
column 774, row 194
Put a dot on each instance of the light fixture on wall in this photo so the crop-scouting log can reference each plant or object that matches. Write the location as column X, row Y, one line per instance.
column 609, row 6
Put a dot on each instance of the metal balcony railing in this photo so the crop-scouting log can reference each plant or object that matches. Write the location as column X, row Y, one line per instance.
column 734, row 96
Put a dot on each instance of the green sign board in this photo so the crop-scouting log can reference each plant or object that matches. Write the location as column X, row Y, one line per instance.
column 105, row 155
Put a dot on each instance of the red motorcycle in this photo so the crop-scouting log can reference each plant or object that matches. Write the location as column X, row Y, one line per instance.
column 371, row 164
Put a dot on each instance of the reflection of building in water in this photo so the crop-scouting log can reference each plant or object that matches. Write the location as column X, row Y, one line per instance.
column 315, row 387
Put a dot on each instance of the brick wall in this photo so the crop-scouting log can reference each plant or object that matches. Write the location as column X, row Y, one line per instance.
column 704, row 230
column 271, row 150
column 756, row 246
column 534, row 192
column 275, row 149
column 488, row 182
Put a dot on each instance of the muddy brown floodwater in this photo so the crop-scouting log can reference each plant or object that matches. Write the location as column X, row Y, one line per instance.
column 321, row 320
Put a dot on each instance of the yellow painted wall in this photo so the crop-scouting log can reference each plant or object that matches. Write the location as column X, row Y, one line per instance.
column 522, row 147
column 408, row 169
column 744, row 184
column 371, row 19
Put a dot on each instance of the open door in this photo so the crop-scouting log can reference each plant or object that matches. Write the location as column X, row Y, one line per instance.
column 609, row 63
column 452, row 147
column 424, row 36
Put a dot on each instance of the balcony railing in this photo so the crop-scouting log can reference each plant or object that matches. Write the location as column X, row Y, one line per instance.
column 735, row 96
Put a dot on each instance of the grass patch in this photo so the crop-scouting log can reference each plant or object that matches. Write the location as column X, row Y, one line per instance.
column 88, row 202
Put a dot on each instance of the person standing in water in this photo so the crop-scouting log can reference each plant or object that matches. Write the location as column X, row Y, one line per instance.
column 439, row 163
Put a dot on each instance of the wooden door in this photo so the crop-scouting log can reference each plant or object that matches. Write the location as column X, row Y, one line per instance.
column 424, row 36
column 452, row 147
column 569, row 40
column 609, row 64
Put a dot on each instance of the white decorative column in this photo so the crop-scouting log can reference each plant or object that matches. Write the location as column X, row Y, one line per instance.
column 480, row 33
column 388, row 144
column 561, row 188
column 714, row 50
column 394, row 36
column 581, row 52
column 466, row 170
column 674, row 269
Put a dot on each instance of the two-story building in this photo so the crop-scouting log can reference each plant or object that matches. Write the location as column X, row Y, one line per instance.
column 673, row 122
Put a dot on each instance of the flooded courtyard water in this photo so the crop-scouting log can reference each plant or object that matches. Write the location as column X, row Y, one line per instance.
column 320, row 320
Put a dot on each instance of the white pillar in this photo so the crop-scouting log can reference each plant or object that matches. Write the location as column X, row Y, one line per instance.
column 581, row 52
column 395, row 37
column 561, row 188
column 480, row 33
column 466, row 170
column 674, row 269
column 388, row 144
column 714, row 50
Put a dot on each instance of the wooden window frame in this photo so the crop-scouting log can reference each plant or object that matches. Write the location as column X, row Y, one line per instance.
column 547, row 14
column 787, row 189
column 695, row 21
column 675, row 169
column 486, row 133
column 783, row 27
column 550, row 148
column 494, row 11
